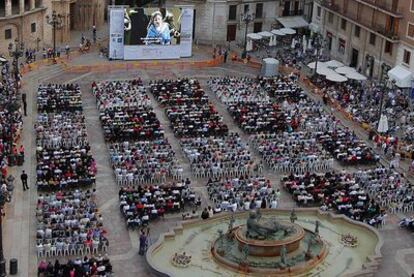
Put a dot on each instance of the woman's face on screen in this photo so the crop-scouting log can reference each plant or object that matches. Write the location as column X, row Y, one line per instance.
column 157, row 20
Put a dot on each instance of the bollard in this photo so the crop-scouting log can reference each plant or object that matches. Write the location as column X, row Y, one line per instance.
column 13, row 266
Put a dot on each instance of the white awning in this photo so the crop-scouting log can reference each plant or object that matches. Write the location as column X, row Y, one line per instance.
column 335, row 77
column 355, row 76
column 334, row 64
column 288, row 31
column 345, row 70
column 265, row 34
column 401, row 75
column 312, row 65
column 254, row 36
column 278, row 33
column 293, row 21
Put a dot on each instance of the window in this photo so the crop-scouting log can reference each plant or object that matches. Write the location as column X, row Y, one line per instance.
column 410, row 30
column 412, row 6
column 8, row 34
column 330, row 17
column 33, row 27
column 407, row 57
column 232, row 12
column 257, row 27
column 388, row 47
column 343, row 24
column 318, row 11
column 259, row 10
column 357, row 31
column 372, row 38
column 246, row 8
column 341, row 46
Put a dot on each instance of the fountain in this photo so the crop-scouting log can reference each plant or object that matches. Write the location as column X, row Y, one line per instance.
column 302, row 242
column 273, row 246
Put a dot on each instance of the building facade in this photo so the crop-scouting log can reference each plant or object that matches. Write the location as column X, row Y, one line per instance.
column 219, row 21
column 370, row 35
column 25, row 20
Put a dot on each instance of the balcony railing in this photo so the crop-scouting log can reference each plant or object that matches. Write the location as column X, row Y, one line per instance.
column 361, row 21
column 292, row 13
column 384, row 5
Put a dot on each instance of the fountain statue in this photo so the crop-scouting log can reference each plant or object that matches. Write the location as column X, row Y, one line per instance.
column 262, row 231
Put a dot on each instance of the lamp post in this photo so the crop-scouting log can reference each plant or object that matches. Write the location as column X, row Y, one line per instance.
column 56, row 21
column 16, row 51
column 246, row 18
column 317, row 43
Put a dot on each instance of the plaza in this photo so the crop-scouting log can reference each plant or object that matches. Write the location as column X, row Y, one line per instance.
column 19, row 225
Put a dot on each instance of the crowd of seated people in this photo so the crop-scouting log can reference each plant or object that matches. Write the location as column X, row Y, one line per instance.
column 125, row 111
column 139, row 162
column 178, row 92
column 249, row 104
column 78, row 267
column 188, row 108
column 139, row 152
column 69, row 223
column 295, row 152
column 339, row 192
column 390, row 189
column 11, row 121
column 346, row 147
column 243, row 193
column 128, row 93
column 141, row 204
column 63, row 154
column 218, row 156
column 61, row 129
column 59, row 97
column 407, row 222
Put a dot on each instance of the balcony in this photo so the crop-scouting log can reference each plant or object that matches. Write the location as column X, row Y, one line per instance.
column 385, row 6
column 292, row 13
column 373, row 27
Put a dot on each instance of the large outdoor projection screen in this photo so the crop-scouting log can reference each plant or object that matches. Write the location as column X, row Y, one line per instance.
column 150, row 33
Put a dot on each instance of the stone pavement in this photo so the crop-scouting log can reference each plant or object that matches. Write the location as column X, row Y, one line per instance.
column 20, row 226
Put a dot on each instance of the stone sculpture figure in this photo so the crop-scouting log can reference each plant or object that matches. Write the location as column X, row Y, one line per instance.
column 283, row 255
column 257, row 230
column 293, row 216
column 317, row 223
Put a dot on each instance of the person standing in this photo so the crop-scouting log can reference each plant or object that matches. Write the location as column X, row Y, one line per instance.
column 94, row 33
column 225, row 55
column 23, row 177
column 142, row 243
column 24, row 103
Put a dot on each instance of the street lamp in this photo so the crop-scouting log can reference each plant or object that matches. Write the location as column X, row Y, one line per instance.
column 56, row 21
column 317, row 44
column 16, row 51
column 246, row 18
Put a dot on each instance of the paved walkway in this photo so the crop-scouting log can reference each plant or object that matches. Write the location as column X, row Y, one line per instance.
column 20, row 225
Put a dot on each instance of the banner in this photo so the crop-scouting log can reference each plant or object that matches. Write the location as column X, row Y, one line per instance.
column 116, row 33
column 187, row 17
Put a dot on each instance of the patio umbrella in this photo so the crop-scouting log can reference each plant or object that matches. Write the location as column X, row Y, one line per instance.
column 288, row 31
column 313, row 64
column 278, row 33
column 335, row 77
column 334, row 64
column 355, row 76
column 345, row 70
column 323, row 70
column 383, row 124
